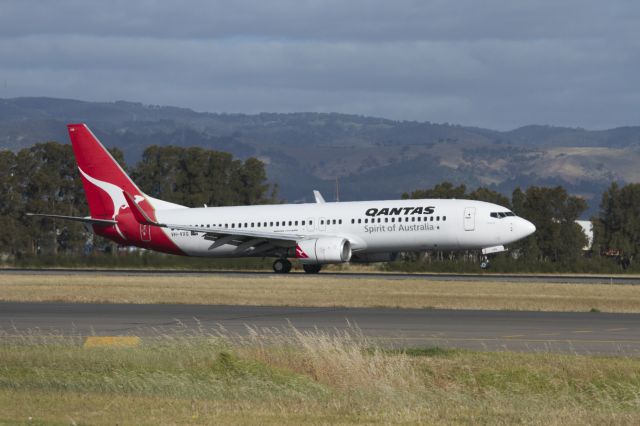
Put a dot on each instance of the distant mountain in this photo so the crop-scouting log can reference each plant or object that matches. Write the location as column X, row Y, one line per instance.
column 372, row 157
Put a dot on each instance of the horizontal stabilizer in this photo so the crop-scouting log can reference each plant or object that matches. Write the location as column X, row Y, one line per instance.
column 89, row 220
column 138, row 213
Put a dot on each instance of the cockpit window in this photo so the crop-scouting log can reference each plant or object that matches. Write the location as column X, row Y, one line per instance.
column 500, row 215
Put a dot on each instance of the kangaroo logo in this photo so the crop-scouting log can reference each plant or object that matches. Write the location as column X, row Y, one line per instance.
column 115, row 193
column 300, row 254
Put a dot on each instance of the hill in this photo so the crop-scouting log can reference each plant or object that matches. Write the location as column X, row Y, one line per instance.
column 372, row 157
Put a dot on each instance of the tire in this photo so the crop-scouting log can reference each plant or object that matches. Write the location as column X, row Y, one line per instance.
column 484, row 264
column 281, row 266
column 312, row 269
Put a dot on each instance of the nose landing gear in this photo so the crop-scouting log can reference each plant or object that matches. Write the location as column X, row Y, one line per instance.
column 281, row 266
column 484, row 262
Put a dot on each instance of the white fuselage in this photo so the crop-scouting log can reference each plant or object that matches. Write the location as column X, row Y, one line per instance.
column 370, row 226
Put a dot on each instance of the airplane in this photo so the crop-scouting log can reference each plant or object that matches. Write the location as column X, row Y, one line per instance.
column 315, row 234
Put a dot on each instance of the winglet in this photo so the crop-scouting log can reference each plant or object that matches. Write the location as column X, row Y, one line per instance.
column 138, row 213
column 318, row 196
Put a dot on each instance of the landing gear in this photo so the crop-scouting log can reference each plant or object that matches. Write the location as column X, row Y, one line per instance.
column 281, row 266
column 484, row 262
column 312, row 269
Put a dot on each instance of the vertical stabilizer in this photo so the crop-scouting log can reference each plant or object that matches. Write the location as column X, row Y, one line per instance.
column 105, row 184
column 102, row 177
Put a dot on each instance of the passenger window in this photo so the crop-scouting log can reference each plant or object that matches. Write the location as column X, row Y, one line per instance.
column 303, row 223
column 310, row 222
column 270, row 223
column 444, row 218
column 413, row 219
column 322, row 222
column 353, row 221
column 253, row 224
column 406, row 219
column 340, row 222
column 438, row 218
column 233, row 225
column 431, row 219
column 366, row 221
column 393, row 220
column 359, row 220
column 296, row 223
column 386, row 220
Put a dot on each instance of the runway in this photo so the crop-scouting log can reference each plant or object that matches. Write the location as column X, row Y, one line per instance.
column 523, row 278
column 583, row 333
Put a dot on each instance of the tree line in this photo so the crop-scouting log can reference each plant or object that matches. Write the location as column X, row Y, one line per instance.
column 44, row 179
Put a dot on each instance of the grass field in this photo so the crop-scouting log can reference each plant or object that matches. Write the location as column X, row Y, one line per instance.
column 300, row 290
column 293, row 378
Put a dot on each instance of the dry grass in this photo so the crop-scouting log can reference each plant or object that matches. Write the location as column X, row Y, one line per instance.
column 300, row 290
column 291, row 377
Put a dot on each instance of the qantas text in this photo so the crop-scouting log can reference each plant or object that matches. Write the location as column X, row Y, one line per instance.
column 399, row 210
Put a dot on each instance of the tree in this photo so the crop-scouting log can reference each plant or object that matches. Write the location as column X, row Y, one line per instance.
column 196, row 176
column 554, row 212
column 618, row 229
column 13, row 236
column 46, row 180
column 441, row 190
column 448, row 190
column 490, row 196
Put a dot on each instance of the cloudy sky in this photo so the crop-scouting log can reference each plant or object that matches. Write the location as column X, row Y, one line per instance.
column 489, row 63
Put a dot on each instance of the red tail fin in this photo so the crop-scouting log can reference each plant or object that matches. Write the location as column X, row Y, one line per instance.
column 102, row 177
column 105, row 184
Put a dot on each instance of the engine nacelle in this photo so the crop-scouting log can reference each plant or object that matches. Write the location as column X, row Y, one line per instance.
column 324, row 250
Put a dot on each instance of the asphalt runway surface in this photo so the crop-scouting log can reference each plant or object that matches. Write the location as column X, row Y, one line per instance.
column 523, row 278
column 581, row 333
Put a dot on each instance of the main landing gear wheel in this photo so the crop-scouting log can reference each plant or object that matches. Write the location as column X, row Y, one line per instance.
column 312, row 269
column 281, row 266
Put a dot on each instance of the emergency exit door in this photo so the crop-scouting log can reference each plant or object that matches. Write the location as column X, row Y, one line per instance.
column 469, row 218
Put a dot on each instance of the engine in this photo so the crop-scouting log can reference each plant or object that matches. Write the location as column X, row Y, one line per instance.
column 323, row 250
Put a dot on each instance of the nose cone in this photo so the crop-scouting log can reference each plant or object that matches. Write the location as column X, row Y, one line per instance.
column 527, row 227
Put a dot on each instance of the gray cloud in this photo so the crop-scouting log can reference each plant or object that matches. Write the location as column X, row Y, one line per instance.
column 496, row 64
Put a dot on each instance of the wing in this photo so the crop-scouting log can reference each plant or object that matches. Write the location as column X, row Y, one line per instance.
column 89, row 220
column 246, row 242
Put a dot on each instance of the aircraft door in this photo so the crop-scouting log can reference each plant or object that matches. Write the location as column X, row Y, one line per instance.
column 469, row 218
column 310, row 221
